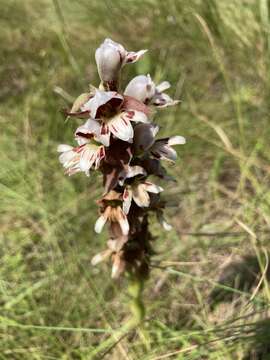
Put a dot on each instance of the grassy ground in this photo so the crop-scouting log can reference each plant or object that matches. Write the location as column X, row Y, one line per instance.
column 208, row 294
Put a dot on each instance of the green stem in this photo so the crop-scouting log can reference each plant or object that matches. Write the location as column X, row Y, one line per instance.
column 137, row 309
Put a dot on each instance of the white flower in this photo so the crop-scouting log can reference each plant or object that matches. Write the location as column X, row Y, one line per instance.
column 111, row 56
column 139, row 193
column 105, row 107
column 141, row 88
column 162, row 148
column 80, row 158
column 144, row 89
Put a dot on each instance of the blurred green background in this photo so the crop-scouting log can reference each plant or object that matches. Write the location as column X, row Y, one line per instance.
column 208, row 294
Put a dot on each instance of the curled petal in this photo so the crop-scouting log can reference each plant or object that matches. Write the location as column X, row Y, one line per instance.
column 132, row 57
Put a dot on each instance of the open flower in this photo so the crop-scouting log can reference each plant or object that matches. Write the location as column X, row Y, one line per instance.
column 162, row 148
column 110, row 57
column 138, row 191
column 144, row 89
column 112, row 212
column 113, row 114
column 80, row 158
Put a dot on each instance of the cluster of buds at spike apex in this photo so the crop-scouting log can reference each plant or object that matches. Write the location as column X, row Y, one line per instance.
column 120, row 140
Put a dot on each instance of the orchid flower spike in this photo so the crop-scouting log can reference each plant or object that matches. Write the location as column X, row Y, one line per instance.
column 118, row 139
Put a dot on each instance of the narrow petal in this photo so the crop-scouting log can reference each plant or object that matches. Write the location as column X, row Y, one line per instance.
column 132, row 56
column 165, row 85
column 118, row 266
column 64, row 148
column 123, row 221
column 101, row 221
column 162, row 222
column 176, row 140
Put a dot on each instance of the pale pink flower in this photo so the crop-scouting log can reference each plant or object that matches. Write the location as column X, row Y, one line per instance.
column 111, row 57
column 80, row 158
column 107, row 108
column 138, row 191
column 144, row 89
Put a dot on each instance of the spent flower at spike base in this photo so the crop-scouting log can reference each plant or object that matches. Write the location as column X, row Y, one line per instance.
column 118, row 139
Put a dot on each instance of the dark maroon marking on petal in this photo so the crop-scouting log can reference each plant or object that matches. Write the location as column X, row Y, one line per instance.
column 87, row 136
column 114, row 128
column 124, row 120
column 104, row 129
column 156, row 154
column 125, row 194
column 101, row 152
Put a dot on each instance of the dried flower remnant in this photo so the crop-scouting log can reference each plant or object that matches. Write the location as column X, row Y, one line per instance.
column 118, row 138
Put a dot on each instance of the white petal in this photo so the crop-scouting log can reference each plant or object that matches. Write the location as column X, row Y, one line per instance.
column 132, row 56
column 66, row 157
column 101, row 221
column 134, row 171
column 121, row 128
column 123, row 221
column 64, row 148
column 176, row 140
column 163, row 86
column 141, row 88
column 150, row 187
column 118, row 266
column 127, row 198
column 87, row 159
column 140, row 196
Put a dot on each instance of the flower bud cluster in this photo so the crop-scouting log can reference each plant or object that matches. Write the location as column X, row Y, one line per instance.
column 119, row 139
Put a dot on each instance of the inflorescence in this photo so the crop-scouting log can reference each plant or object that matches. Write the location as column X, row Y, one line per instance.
column 119, row 139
